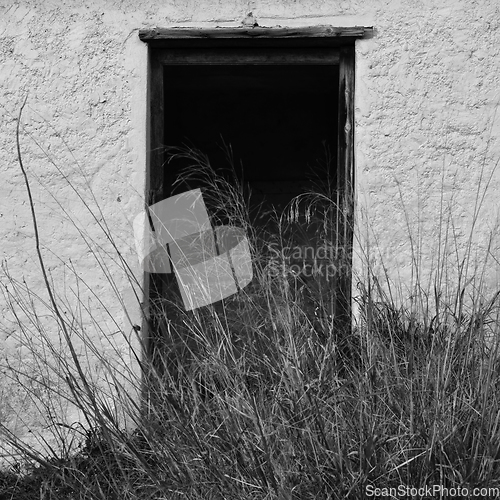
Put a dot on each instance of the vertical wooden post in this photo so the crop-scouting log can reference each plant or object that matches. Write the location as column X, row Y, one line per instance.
column 153, row 284
column 160, row 312
column 345, row 194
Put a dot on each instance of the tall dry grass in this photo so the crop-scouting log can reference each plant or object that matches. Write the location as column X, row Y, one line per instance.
column 261, row 395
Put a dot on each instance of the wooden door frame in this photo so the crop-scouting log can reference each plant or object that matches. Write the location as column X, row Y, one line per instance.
column 313, row 45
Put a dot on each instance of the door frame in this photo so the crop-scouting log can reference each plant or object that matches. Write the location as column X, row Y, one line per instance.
column 312, row 45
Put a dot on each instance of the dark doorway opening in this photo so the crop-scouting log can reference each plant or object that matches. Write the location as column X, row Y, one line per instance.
column 283, row 100
column 280, row 123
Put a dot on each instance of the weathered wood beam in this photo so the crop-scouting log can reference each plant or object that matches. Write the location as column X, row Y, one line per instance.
column 150, row 34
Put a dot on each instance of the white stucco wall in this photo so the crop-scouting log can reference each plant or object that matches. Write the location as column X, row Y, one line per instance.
column 427, row 138
column 426, row 133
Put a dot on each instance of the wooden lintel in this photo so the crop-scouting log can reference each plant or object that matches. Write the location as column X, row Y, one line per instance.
column 153, row 34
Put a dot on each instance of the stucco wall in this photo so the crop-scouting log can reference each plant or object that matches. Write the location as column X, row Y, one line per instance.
column 426, row 135
column 427, row 139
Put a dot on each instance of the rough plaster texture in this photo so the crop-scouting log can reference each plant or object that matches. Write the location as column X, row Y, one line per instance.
column 426, row 137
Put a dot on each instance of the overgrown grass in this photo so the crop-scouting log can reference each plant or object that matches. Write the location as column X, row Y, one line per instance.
column 262, row 396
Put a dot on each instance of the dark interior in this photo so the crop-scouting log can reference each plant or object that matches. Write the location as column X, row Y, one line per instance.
column 280, row 122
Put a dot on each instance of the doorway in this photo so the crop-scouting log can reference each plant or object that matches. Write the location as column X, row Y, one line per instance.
column 284, row 109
